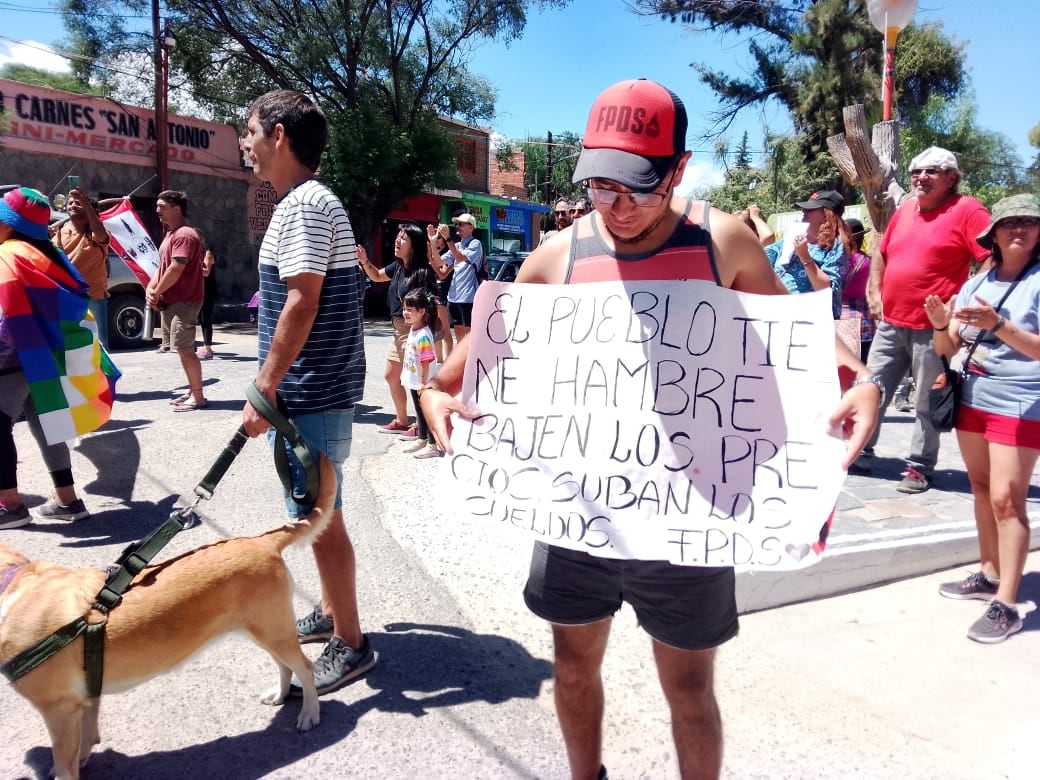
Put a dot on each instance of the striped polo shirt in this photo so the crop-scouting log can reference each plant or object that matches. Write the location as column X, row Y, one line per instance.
column 687, row 254
column 310, row 233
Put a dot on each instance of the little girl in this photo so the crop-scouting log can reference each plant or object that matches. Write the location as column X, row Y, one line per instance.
column 419, row 309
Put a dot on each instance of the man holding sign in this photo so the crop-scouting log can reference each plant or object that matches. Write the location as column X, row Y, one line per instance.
column 640, row 232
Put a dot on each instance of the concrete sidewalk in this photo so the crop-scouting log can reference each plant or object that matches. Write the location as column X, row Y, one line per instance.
column 881, row 535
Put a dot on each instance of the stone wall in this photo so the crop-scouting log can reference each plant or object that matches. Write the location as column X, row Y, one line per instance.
column 217, row 205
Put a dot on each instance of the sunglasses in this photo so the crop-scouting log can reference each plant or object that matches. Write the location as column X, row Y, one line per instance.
column 645, row 200
column 562, row 213
column 1018, row 222
column 927, row 171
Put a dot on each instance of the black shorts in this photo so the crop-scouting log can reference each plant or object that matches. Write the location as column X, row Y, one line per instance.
column 689, row 607
column 460, row 314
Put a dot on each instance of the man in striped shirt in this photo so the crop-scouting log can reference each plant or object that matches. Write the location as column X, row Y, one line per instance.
column 311, row 351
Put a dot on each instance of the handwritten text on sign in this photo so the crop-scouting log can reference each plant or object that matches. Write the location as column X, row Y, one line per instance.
column 653, row 420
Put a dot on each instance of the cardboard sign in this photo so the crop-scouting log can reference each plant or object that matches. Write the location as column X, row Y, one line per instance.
column 653, row 420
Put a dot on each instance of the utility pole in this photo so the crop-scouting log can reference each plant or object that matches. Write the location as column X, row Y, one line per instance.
column 160, row 98
column 548, row 167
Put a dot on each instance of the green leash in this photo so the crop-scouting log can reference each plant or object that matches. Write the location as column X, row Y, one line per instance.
column 138, row 555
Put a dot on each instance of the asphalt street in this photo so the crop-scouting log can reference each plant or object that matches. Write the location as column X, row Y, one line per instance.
column 878, row 683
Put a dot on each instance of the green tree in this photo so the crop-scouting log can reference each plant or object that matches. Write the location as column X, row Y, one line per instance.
column 782, row 178
column 990, row 165
column 545, row 185
column 67, row 82
column 382, row 69
column 814, row 57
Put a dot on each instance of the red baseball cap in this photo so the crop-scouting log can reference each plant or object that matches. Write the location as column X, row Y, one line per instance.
column 636, row 131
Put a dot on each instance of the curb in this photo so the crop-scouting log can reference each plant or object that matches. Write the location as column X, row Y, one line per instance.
column 858, row 561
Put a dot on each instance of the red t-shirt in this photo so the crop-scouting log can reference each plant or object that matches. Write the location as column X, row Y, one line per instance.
column 190, row 287
column 928, row 253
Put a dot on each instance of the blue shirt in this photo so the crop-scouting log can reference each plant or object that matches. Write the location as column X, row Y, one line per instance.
column 831, row 262
column 464, row 281
column 1002, row 380
column 310, row 233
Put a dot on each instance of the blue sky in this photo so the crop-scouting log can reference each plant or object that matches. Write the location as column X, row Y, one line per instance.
column 549, row 78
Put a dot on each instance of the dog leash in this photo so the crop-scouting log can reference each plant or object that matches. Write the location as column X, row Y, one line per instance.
column 139, row 554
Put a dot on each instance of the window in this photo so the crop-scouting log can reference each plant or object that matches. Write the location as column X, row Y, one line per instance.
column 467, row 155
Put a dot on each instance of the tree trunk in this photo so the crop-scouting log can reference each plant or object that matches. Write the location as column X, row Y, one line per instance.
column 872, row 165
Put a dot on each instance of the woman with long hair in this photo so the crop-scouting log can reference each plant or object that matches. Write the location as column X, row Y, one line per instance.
column 438, row 235
column 996, row 315
column 818, row 259
column 409, row 269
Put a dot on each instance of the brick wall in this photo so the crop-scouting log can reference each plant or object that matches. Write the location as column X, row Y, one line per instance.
column 509, row 183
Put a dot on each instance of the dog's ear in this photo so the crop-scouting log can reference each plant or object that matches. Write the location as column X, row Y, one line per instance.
column 10, row 556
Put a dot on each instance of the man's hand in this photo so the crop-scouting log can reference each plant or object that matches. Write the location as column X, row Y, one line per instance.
column 874, row 305
column 152, row 297
column 856, row 416
column 253, row 421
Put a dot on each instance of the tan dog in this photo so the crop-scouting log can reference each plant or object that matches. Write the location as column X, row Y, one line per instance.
column 170, row 611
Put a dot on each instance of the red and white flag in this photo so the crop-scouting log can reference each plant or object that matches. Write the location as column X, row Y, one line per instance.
column 131, row 241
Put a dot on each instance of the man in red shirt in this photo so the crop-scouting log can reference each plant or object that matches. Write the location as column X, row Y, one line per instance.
column 178, row 289
column 926, row 249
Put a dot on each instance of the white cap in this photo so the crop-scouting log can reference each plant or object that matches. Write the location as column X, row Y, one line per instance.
column 467, row 218
column 936, row 157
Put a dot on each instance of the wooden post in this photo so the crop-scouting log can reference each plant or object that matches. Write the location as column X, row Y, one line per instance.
column 870, row 164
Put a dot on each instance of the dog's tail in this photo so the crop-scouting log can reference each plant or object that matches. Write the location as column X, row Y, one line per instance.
column 306, row 529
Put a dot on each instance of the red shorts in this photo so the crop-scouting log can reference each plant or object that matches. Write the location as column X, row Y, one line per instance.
column 998, row 428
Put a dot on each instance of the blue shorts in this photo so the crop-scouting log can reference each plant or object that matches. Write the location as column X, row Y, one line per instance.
column 329, row 432
column 689, row 607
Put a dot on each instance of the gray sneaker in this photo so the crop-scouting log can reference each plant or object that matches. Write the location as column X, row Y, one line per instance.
column 338, row 665
column 975, row 586
column 914, row 481
column 999, row 622
column 315, row 627
column 52, row 510
column 14, row 518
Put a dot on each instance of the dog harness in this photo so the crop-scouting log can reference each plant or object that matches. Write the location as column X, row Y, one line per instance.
column 139, row 554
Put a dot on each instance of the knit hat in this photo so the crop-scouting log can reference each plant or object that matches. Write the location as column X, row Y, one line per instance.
column 26, row 211
column 635, row 134
column 1013, row 206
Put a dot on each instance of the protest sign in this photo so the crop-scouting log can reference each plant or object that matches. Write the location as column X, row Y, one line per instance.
column 653, row 420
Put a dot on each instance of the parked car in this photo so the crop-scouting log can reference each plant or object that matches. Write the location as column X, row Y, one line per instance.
column 125, row 306
column 504, row 266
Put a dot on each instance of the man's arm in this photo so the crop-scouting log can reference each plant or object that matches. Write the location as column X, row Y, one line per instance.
column 168, row 279
column 877, row 275
column 291, row 332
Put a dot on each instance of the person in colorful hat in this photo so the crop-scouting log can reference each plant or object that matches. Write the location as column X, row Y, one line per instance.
column 633, row 159
column 998, row 423
column 44, row 339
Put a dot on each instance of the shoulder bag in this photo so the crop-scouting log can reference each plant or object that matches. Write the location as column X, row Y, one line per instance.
column 944, row 397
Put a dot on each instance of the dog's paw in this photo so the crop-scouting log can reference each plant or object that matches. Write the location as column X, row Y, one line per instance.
column 273, row 696
column 307, row 719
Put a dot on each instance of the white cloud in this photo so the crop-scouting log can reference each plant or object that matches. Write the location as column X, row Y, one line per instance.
column 33, row 54
column 698, row 179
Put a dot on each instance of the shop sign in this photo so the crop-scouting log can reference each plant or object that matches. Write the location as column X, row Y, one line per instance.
column 69, row 120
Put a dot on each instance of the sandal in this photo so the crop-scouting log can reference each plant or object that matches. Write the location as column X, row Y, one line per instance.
column 181, row 399
column 191, row 406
